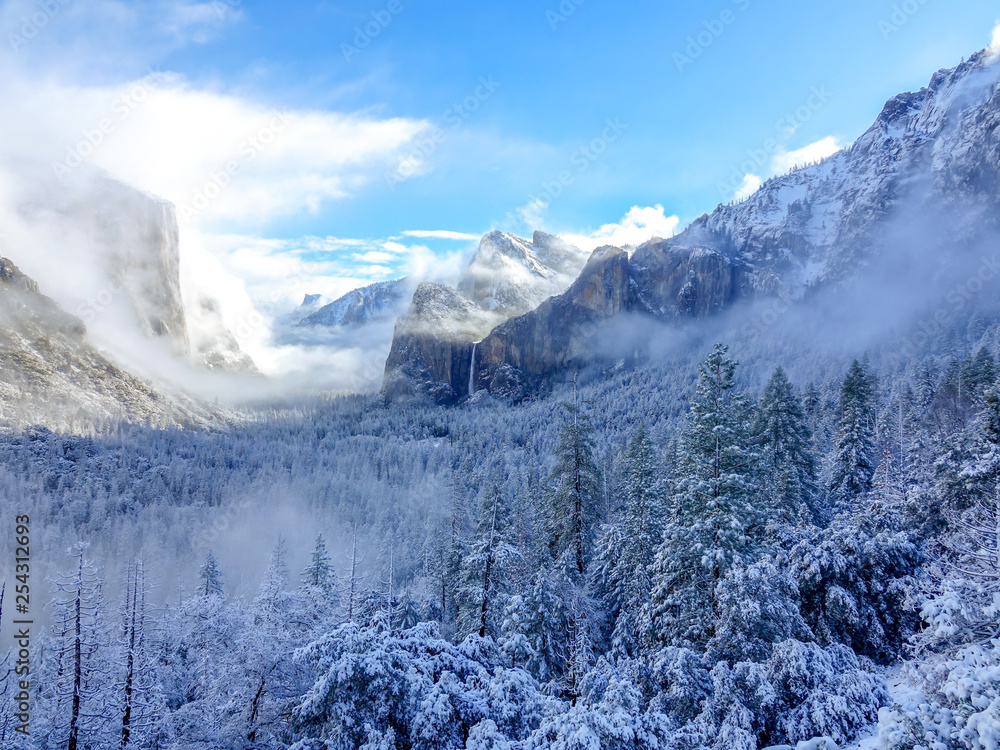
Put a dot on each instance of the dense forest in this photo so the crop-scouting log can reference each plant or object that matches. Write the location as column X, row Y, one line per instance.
column 689, row 553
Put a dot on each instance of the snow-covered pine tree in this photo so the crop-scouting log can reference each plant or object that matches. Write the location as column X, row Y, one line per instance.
column 628, row 543
column 789, row 466
column 210, row 577
column 854, row 462
column 487, row 565
column 576, row 492
column 318, row 572
column 854, row 585
column 449, row 564
column 717, row 506
column 883, row 506
column 513, row 639
column 80, row 713
column 757, row 609
column 317, row 598
column 963, row 603
column 951, row 398
column 545, row 622
column 979, row 373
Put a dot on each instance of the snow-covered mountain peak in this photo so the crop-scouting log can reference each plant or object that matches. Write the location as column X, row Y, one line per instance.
column 926, row 151
column 511, row 275
column 368, row 304
column 439, row 310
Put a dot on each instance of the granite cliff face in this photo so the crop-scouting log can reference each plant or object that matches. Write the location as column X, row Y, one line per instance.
column 432, row 345
column 132, row 240
column 49, row 374
column 142, row 250
column 677, row 282
column 519, row 354
column 922, row 181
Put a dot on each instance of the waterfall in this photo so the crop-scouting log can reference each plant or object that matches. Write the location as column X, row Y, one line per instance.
column 472, row 372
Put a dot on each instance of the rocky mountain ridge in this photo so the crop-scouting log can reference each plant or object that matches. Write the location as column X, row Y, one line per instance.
column 921, row 181
column 368, row 304
column 508, row 276
column 511, row 276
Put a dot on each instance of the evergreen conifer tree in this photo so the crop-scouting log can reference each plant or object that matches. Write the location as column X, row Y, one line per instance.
column 717, row 508
column 785, row 441
column 210, row 577
column 576, row 493
column 854, row 461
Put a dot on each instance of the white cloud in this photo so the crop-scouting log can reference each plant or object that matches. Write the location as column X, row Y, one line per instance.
column 395, row 247
column 637, row 226
column 994, row 47
column 98, row 37
column 783, row 161
column 821, row 149
column 218, row 157
column 439, row 234
column 182, row 16
column 375, row 256
column 532, row 213
column 748, row 187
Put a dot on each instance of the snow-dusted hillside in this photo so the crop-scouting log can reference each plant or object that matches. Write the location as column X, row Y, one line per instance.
column 923, row 173
column 369, row 304
column 50, row 375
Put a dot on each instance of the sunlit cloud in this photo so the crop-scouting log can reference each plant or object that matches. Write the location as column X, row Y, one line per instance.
column 748, row 187
column 375, row 256
column 439, row 234
column 640, row 224
column 994, row 47
column 533, row 212
column 218, row 157
column 783, row 160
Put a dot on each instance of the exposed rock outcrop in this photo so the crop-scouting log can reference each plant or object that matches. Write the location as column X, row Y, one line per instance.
column 432, row 345
column 519, row 354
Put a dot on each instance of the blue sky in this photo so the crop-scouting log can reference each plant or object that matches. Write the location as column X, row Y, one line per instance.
column 562, row 74
column 403, row 117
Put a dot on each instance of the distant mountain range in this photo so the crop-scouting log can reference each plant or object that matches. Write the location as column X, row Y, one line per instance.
column 920, row 185
column 919, row 190
column 369, row 304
